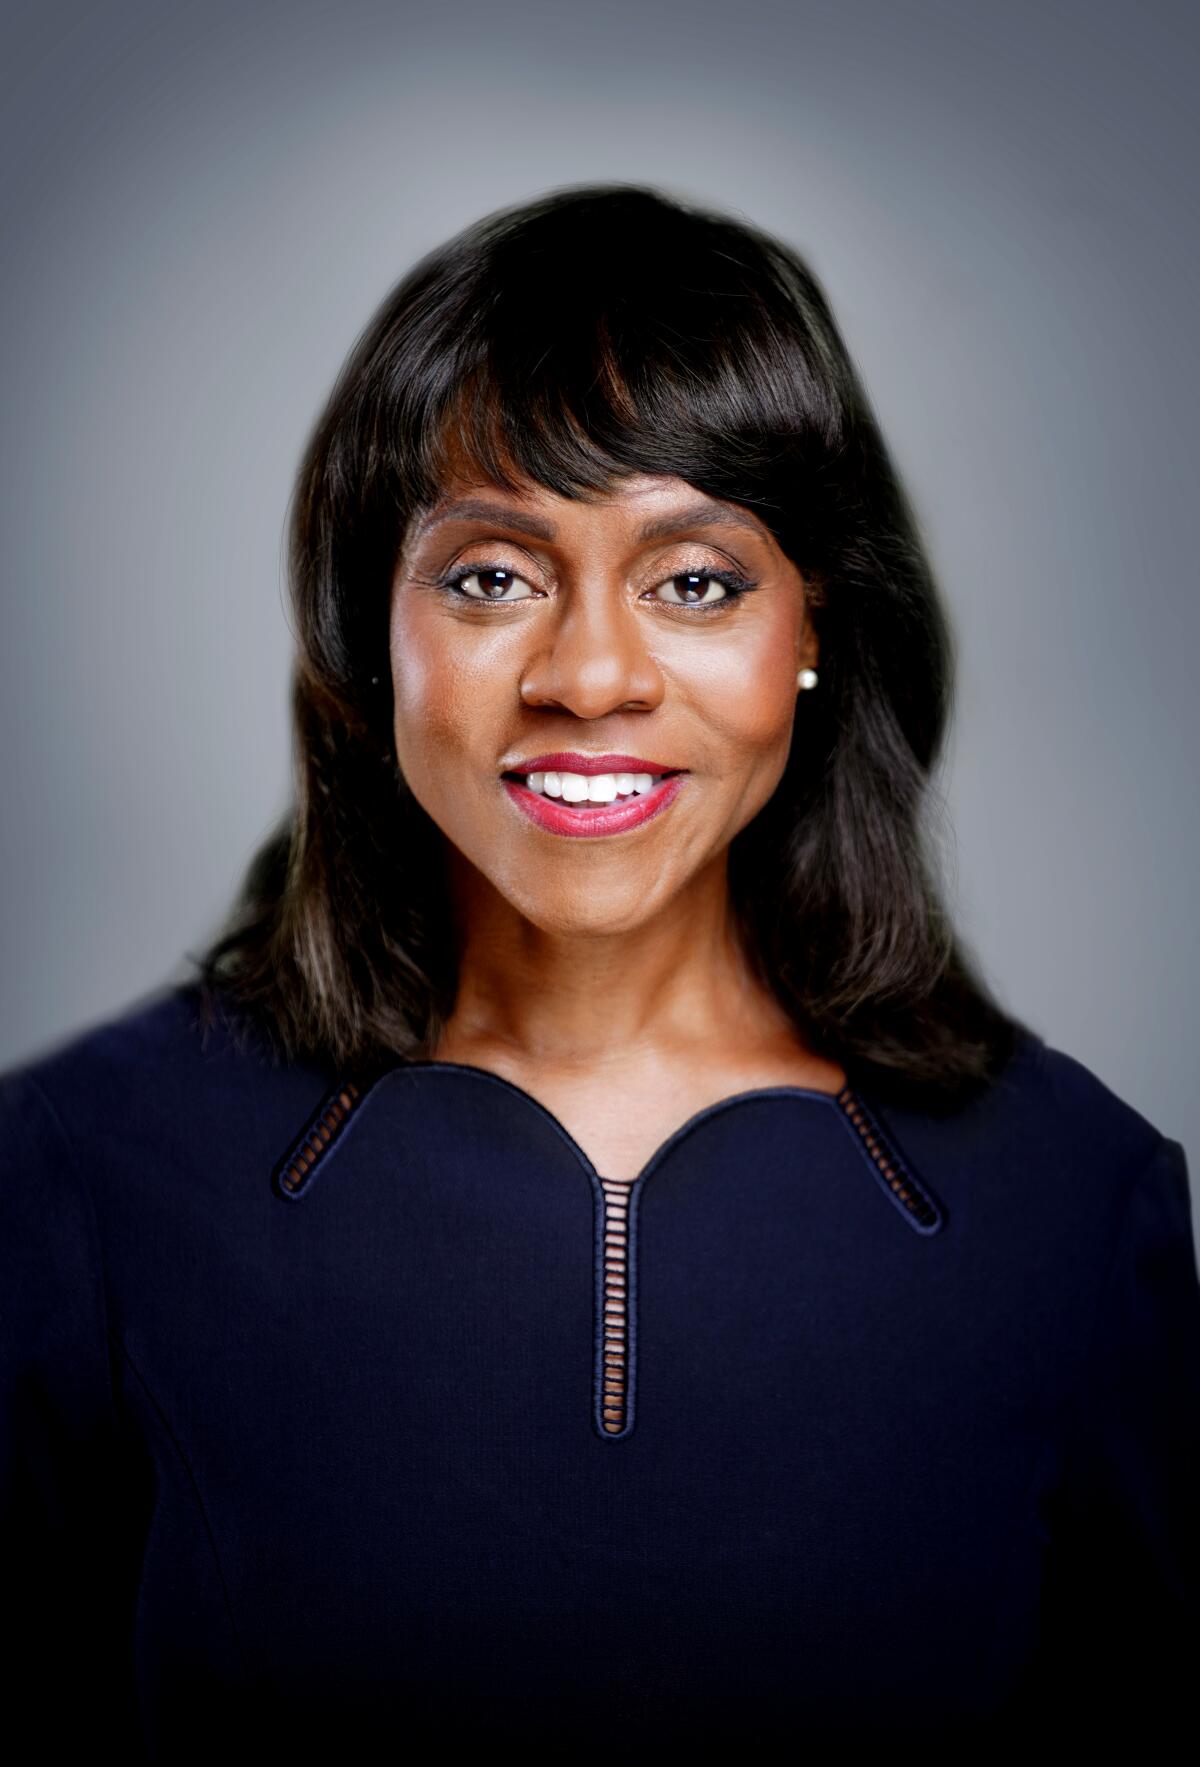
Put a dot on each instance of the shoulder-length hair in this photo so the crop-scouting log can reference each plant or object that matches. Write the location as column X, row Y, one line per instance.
column 594, row 332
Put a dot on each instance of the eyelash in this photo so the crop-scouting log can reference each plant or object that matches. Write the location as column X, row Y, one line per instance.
column 733, row 583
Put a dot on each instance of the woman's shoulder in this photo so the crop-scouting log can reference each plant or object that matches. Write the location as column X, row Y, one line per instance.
column 168, row 1073
column 1046, row 1083
column 1050, row 1140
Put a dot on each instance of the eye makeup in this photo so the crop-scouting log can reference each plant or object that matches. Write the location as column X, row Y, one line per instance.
column 695, row 579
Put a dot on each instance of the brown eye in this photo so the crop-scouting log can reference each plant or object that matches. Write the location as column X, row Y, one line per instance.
column 692, row 589
column 494, row 583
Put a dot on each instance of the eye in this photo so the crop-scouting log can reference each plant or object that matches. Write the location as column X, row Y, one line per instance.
column 695, row 588
column 495, row 583
column 701, row 589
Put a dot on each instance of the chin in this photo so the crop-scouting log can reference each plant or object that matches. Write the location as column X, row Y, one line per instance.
column 572, row 914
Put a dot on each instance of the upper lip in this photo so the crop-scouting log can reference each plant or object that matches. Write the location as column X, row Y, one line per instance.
column 571, row 761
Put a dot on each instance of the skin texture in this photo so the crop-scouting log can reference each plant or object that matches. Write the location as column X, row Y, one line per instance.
column 603, row 975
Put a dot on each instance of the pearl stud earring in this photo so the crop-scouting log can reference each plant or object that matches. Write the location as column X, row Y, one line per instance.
column 806, row 678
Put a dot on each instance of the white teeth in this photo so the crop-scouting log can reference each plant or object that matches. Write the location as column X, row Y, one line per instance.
column 591, row 788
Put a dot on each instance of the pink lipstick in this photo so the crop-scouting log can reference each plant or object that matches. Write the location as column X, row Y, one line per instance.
column 549, row 789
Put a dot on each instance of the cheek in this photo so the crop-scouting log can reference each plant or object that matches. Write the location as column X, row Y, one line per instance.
column 451, row 688
column 746, row 694
column 439, row 698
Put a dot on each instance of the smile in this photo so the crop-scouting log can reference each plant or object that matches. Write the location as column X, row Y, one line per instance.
column 594, row 788
column 584, row 800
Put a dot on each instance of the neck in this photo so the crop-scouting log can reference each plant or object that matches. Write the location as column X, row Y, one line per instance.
column 579, row 1000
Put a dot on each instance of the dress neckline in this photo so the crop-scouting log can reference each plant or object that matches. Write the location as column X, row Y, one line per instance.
column 613, row 1251
column 331, row 1124
column 836, row 1100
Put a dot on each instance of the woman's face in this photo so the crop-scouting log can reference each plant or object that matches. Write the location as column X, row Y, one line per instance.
column 585, row 644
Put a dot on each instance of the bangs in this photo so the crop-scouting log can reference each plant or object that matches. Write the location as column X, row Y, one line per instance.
column 620, row 337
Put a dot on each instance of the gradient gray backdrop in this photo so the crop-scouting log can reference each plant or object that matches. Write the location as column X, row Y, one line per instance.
column 202, row 204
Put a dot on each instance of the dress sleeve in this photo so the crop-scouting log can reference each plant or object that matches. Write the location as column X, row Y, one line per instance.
column 1121, row 1597
column 67, row 1591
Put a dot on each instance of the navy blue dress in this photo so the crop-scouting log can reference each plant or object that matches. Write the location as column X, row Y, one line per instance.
column 342, row 1409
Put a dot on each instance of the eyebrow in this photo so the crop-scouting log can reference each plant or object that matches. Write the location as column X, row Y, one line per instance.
column 693, row 515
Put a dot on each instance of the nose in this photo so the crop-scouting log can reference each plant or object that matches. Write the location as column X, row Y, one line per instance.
column 593, row 658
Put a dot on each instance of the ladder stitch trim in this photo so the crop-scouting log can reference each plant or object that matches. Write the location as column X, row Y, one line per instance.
column 293, row 1174
column 613, row 1382
column 891, row 1169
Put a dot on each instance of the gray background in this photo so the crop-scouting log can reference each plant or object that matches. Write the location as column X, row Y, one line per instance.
column 202, row 204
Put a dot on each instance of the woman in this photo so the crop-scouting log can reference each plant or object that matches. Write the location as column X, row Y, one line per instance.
column 584, row 1260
